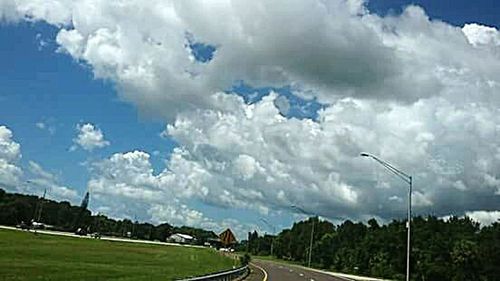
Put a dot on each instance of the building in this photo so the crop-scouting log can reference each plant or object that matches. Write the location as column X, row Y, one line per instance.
column 227, row 238
column 181, row 238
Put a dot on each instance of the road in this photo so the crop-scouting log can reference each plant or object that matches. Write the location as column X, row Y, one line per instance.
column 271, row 271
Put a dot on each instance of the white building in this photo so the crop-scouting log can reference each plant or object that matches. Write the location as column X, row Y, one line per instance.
column 180, row 238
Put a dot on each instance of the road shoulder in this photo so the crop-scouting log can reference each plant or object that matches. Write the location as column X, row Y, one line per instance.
column 257, row 273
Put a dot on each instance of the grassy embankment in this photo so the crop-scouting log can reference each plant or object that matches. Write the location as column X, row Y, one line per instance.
column 26, row 256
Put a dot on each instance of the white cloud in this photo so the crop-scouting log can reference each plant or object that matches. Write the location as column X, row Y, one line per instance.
column 8, row 11
column 10, row 153
column 12, row 175
column 37, row 170
column 250, row 156
column 328, row 49
column 40, row 125
column 9, row 149
column 57, row 12
column 46, row 126
column 42, row 179
column 418, row 92
column 89, row 137
column 125, row 185
column 481, row 35
column 484, row 217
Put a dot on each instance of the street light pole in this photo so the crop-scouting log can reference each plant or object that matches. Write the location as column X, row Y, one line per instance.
column 311, row 244
column 312, row 235
column 409, row 180
column 274, row 233
column 408, row 246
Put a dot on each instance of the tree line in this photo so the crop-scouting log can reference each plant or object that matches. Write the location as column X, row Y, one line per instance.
column 16, row 208
column 455, row 249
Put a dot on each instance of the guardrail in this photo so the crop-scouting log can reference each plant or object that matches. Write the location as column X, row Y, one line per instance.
column 221, row 276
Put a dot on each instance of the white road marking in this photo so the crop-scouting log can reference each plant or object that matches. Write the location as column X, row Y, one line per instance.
column 263, row 270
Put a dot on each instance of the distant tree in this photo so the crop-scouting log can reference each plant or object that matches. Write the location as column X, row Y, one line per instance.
column 465, row 259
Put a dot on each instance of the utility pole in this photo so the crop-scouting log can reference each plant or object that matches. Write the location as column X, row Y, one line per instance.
column 39, row 217
column 133, row 226
column 312, row 233
column 274, row 233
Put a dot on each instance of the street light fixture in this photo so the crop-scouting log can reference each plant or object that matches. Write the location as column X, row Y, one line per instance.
column 312, row 233
column 408, row 179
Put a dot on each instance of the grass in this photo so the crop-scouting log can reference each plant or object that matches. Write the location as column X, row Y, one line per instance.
column 275, row 259
column 26, row 256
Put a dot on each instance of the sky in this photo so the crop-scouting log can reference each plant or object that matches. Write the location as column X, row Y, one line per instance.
column 216, row 114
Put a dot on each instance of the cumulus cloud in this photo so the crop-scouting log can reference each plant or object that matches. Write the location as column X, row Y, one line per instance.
column 419, row 93
column 89, row 137
column 42, row 179
column 481, row 35
column 327, row 49
column 125, row 185
column 57, row 12
column 10, row 153
column 250, row 155
column 12, row 174
column 485, row 217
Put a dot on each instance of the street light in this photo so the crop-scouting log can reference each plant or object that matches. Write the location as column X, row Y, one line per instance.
column 408, row 179
column 39, row 206
column 312, row 233
column 274, row 232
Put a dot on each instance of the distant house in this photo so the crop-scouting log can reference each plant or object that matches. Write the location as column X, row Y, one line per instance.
column 227, row 238
column 181, row 238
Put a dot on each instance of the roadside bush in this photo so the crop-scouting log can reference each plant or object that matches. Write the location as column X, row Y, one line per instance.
column 245, row 259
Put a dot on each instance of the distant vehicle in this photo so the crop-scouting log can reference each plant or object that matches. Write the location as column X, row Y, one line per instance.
column 81, row 231
column 96, row 235
column 23, row 226
column 37, row 225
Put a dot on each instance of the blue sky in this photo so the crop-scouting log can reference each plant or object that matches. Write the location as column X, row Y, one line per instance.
column 41, row 85
column 38, row 83
column 456, row 12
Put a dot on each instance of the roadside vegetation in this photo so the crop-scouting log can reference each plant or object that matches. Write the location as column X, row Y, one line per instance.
column 16, row 208
column 457, row 249
column 29, row 256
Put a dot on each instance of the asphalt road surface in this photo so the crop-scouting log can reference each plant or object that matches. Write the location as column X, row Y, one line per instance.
column 271, row 271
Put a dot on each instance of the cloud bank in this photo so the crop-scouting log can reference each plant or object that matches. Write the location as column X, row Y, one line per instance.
column 419, row 93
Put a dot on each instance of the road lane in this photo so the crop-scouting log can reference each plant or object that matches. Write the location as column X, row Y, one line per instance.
column 257, row 273
column 282, row 272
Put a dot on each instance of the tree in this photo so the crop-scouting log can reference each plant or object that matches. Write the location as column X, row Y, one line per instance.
column 465, row 260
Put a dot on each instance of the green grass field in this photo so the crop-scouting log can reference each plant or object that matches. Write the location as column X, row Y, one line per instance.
column 26, row 256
